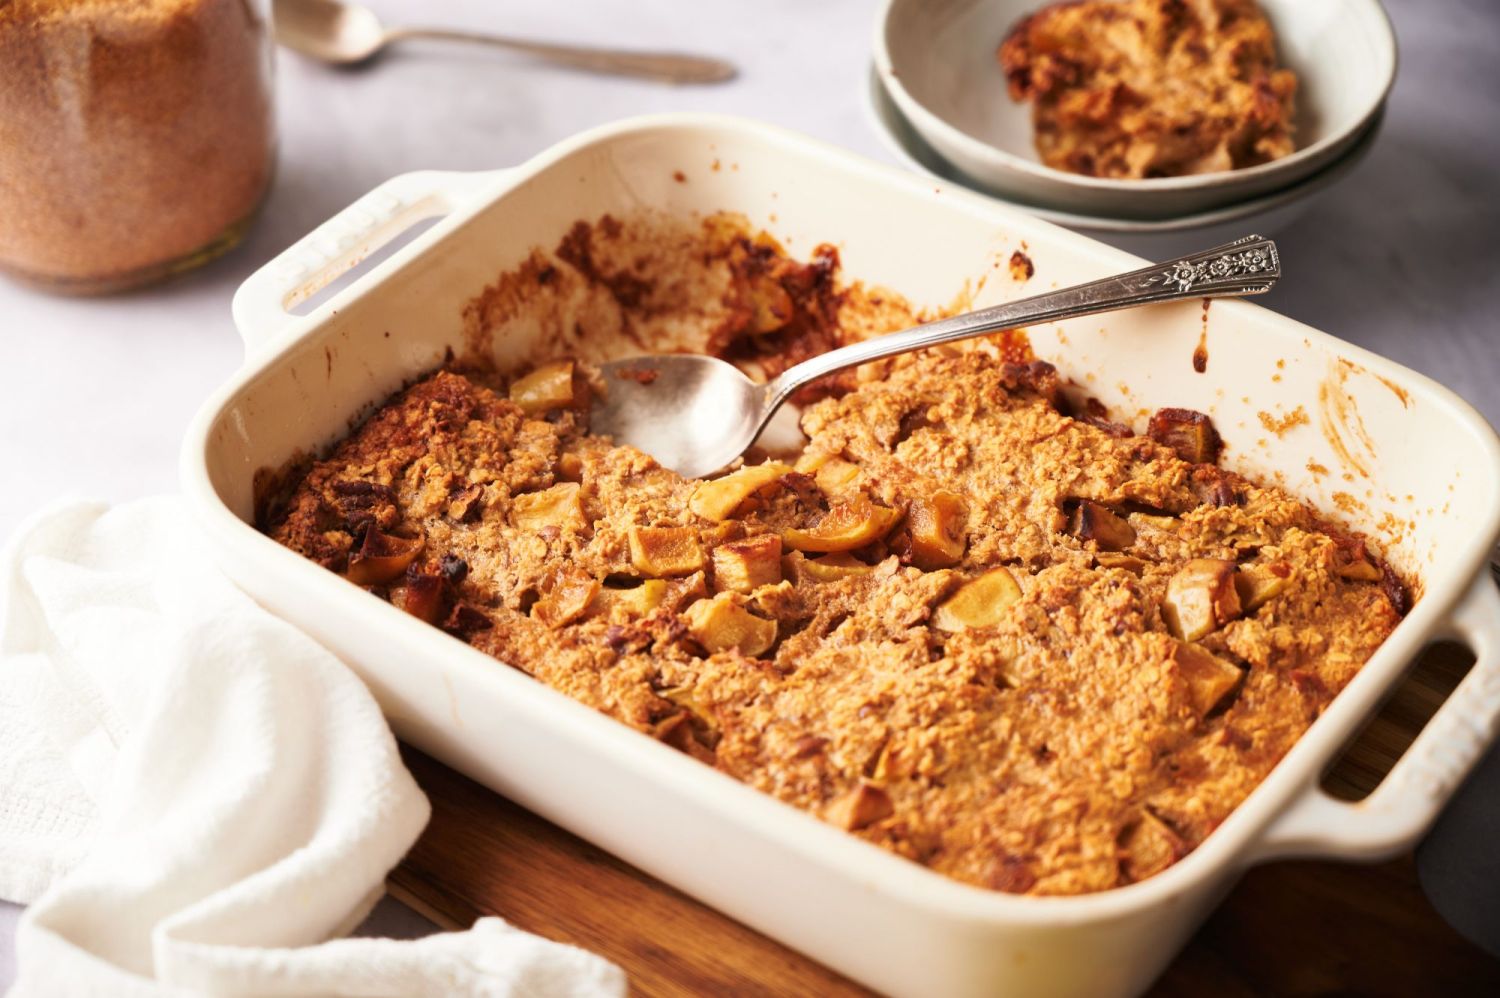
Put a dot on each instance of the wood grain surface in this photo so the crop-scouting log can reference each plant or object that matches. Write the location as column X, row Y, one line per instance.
column 1291, row 928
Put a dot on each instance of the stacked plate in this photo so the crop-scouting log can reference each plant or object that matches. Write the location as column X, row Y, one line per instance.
column 938, row 98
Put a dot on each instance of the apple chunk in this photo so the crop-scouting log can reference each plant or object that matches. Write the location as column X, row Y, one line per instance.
column 627, row 604
column 548, row 387
column 829, row 568
column 718, row 499
column 1201, row 598
column 848, row 525
column 559, row 506
column 1259, row 584
column 1092, row 521
column 838, row 477
column 1209, row 678
column 1188, row 432
column 723, row 623
column 1148, row 847
column 422, row 596
column 571, row 593
column 744, row 566
column 978, row 603
column 938, row 530
column 862, row 806
column 1351, row 560
column 665, row 551
column 382, row 557
column 1129, row 563
column 773, row 306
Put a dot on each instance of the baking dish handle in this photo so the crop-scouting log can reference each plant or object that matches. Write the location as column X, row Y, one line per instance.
column 262, row 303
column 1392, row 818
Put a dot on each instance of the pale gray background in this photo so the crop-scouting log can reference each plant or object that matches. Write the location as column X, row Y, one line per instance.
column 1400, row 257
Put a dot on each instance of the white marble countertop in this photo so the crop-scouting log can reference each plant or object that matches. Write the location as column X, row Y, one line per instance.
column 1400, row 257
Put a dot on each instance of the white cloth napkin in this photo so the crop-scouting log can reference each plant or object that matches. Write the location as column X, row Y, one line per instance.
column 194, row 795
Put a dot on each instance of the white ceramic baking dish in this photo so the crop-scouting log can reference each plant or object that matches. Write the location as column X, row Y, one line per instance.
column 1407, row 450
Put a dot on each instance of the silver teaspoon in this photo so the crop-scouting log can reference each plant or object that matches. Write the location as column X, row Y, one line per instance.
column 696, row 414
column 342, row 33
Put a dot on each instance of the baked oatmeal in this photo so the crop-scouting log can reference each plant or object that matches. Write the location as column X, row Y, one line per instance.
column 972, row 622
column 1128, row 89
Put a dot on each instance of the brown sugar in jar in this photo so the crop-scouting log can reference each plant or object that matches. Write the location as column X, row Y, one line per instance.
column 136, row 136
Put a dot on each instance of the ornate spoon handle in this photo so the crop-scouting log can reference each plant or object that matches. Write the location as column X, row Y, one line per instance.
column 1248, row 266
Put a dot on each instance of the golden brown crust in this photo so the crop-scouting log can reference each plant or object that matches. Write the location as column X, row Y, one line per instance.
column 1152, row 88
column 1063, row 740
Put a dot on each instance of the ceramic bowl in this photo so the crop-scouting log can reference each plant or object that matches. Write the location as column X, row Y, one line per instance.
column 1155, row 239
column 937, row 60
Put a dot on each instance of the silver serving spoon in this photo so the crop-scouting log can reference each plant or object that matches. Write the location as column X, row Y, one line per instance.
column 696, row 414
column 345, row 33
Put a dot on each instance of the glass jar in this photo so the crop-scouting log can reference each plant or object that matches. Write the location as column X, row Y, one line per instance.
column 136, row 136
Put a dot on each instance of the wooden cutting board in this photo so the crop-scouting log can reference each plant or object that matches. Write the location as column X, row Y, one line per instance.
column 1295, row 928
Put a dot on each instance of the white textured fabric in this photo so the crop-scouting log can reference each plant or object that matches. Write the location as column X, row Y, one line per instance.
column 194, row 795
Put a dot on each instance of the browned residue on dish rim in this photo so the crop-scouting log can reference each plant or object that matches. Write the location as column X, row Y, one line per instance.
column 1021, row 267
column 964, row 300
column 1393, row 533
column 1339, row 419
column 1348, row 504
column 1396, row 390
column 1280, row 425
column 1200, row 352
column 1012, row 345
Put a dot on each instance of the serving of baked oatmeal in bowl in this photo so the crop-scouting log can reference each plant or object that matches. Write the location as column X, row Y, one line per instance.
column 1145, row 109
column 1043, row 639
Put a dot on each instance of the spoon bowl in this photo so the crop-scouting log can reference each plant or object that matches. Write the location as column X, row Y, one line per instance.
column 696, row 414
column 341, row 34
